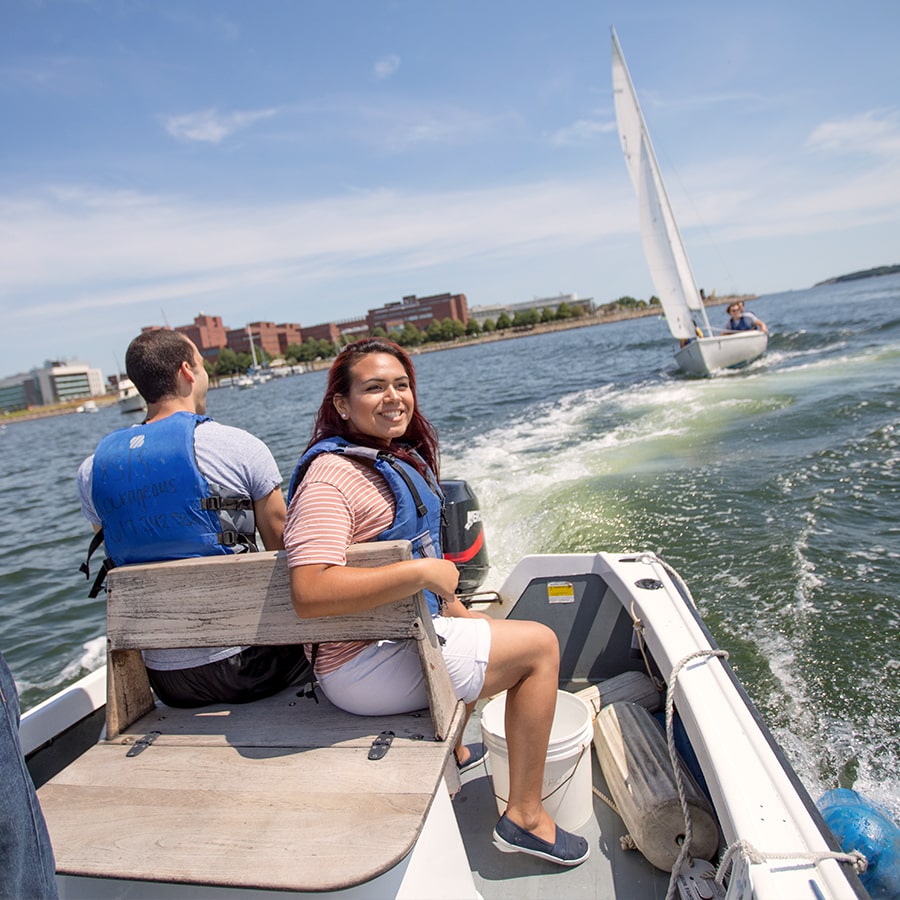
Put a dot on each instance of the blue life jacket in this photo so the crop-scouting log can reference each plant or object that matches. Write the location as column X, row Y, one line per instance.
column 419, row 500
column 743, row 324
column 155, row 503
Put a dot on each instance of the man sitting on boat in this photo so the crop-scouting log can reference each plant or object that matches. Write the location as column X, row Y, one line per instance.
column 181, row 485
column 739, row 320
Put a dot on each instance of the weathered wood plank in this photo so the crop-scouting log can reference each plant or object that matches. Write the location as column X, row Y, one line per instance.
column 320, row 841
column 283, row 720
column 288, row 774
column 128, row 694
column 241, row 599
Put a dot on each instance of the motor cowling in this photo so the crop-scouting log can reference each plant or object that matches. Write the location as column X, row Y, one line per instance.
column 463, row 538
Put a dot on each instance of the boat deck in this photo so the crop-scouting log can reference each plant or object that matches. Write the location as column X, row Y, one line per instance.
column 259, row 778
column 609, row 871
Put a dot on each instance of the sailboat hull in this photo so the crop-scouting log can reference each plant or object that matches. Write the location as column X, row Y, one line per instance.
column 727, row 351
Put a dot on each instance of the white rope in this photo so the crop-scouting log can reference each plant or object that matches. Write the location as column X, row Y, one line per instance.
column 740, row 847
column 638, row 626
column 746, row 849
column 684, row 852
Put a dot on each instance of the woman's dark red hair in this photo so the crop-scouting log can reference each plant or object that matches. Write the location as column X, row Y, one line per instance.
column 420, row 435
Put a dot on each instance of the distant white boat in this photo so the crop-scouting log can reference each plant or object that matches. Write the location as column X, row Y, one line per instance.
column 129, row 399
column 254, row 375
column 89, row 406
column 700, row 352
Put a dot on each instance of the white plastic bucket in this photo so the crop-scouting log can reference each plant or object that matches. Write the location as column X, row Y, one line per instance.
column 566, row 791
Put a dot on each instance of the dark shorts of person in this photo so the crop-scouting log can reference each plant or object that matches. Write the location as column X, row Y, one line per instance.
column 252, row 674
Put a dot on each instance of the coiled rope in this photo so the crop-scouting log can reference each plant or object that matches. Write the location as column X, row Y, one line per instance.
column 739, row 847
column 684, row 852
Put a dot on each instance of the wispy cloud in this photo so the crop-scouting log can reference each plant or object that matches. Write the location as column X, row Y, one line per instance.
column 876, row 132
column 107, row 249
column 582, row 131
column 399, row 127
column 212, row 126
column 386, row 66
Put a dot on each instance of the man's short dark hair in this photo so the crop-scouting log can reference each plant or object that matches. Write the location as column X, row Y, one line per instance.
column 153, row 359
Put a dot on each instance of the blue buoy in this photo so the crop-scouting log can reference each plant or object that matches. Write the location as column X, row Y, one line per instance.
column 860, row 824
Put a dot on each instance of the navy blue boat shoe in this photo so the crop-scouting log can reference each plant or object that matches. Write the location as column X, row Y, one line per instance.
column 569, row 849
column 477, row 754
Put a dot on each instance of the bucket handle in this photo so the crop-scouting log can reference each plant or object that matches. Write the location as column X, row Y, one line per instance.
column 562, row 784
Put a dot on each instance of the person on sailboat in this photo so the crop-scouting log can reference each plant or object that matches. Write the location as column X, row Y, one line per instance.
column 368, row 435
column 739, row 320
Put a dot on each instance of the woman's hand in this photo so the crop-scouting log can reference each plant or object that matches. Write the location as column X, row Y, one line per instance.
column 440, row 576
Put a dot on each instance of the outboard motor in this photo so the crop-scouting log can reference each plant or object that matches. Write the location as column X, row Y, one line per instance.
column 463, row 537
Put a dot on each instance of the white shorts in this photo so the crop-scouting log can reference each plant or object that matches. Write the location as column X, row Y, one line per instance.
column 386, row 678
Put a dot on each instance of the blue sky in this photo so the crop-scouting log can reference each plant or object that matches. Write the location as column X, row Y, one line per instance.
column 304, row 160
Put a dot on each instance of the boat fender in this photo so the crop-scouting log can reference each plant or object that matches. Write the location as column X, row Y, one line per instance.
column 630, row 687
column 635, row 762
column 463, row 538
column 861, row 824
column 685, row 750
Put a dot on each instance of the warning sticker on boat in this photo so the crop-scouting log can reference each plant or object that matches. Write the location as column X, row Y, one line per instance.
column 560, row 592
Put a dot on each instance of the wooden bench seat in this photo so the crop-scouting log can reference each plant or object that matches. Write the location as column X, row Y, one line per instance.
column 278, row 793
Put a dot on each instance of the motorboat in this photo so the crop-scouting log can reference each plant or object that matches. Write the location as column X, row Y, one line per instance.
column 686, row 790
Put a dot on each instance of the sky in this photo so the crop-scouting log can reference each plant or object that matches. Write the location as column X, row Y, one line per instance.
column 308, row 160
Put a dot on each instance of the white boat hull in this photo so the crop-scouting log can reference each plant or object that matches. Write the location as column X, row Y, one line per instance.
column 727, row 351
column 132, row 404
column 129, row 399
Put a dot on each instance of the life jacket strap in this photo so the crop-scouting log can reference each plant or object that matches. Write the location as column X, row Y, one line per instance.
column 391, row 460
column 236, row 539
column 100, row 580
column 218, row 503
column 96, row 541
column 309, row 689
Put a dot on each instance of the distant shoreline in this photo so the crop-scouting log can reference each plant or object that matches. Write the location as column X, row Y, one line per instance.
column 63, row 409
column 859, row 276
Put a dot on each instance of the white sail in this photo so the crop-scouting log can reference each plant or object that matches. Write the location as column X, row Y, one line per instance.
column 667, row 258
column 655, row 231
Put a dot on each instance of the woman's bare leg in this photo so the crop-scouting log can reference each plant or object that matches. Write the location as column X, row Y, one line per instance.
column 524, row 661
column 460, row 751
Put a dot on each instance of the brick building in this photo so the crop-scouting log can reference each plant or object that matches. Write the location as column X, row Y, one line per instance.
column 288, row 333
column 419, row 311
column 272, row 338
column 208, row 333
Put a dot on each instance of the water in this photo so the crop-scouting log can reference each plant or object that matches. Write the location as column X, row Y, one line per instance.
column 773, row 490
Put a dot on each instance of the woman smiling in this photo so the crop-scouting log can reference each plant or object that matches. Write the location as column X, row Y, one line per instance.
column 371, row 472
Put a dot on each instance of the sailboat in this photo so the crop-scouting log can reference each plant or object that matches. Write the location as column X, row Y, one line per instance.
column 701, row 352
column 254, row 373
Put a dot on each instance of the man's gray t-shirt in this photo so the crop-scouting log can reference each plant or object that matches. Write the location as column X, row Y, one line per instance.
column 240, row 464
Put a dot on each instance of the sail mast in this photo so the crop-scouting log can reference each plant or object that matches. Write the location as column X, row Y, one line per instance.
column 252, row 347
